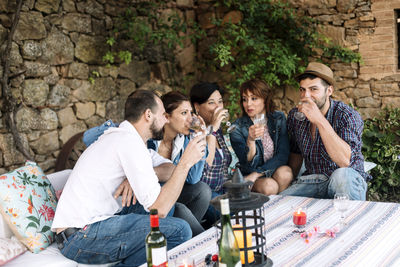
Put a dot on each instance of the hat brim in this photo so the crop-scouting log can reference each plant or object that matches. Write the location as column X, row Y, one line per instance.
column 326, row 78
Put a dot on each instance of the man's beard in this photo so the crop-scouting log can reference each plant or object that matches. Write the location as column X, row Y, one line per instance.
column 156, row 134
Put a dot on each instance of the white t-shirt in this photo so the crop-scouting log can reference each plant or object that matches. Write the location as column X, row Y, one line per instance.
column 88, row 194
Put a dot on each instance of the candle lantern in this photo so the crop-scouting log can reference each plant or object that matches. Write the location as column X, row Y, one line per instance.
column 247, row 219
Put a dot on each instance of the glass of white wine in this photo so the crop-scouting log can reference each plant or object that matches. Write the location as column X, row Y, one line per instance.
column 299, row 115
column 225, row 120
column 259, row 119
column 341, row 204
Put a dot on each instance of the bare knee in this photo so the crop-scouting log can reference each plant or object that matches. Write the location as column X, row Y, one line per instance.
column 283, row 176
column 266, row 186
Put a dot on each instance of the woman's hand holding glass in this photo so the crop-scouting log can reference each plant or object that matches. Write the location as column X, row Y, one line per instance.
column 256, row 131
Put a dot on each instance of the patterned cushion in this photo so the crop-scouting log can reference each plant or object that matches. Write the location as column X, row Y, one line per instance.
column 28, row 204
column 235, row 160
column 9, row 249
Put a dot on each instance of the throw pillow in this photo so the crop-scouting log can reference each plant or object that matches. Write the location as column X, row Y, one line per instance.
column 28, row 204
column 10, row 249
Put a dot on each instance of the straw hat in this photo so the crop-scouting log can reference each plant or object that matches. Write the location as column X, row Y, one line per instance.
column 320, row 70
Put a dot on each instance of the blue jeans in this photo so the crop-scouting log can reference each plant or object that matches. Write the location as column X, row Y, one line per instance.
column 121, row 238
column 342, row 180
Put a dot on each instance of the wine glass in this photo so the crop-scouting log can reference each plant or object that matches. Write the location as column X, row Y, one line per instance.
column 196, row 126
column 225, row 120
column 341, row 204
column 259, row 119
column 299, row 115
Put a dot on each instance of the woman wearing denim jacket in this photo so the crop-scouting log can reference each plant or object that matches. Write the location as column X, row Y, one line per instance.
column 263, row 150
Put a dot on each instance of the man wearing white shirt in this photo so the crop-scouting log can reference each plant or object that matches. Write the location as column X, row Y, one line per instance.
column 86, row 221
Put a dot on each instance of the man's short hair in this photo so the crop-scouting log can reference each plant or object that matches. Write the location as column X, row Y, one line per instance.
column 312, row 77
column 137, row 103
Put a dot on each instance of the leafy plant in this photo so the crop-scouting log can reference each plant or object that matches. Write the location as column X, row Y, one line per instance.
column 272, row 42
column 144, row 24
column 381, row 144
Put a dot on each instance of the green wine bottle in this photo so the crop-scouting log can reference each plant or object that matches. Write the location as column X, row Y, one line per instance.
column 228, row 246
column 156, row 243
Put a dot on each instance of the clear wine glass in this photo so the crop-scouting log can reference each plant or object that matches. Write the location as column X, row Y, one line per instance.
column 299, row 115
column 197, row 127
column 225, row 120
column 341, row 204
column 259, row 119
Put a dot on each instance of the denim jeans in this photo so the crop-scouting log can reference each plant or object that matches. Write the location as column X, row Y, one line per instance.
column 342, row 180
column 192, row 204
column 121, row 238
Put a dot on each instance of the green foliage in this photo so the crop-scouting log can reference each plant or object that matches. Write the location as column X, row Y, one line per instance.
column 271, row 42
column 94, row 74
column 143, row 23
column 381, row 144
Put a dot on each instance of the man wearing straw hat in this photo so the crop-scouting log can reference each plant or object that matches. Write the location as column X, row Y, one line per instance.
column 326, row 135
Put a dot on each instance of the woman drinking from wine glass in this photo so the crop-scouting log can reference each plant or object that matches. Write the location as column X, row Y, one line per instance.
column 262, row 148
column 207, row 101
column 195, row 194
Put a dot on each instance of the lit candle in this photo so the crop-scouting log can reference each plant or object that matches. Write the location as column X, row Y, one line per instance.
column 299, row 217
column 239, row 234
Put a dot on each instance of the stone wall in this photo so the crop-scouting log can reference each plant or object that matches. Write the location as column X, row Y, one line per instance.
column 58, row 47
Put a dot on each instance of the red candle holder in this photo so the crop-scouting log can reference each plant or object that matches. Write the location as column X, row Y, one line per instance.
column 300, row 217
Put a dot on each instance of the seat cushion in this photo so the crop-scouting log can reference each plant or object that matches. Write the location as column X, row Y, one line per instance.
column 28, row 203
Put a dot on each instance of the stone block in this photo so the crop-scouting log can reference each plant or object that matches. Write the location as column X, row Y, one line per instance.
column 59, row 96
column 368, row 102
column 125, row 87
column 70, row 130
column 94, row 121
column 27, row 119
column 184, row 3
column 292, row 93
column 115, row 109
column 78, row 70
column 3, row 34
column 31, row 50
column 46, row 144
column 346, row 6
column 346, row 73
column 206, row 19
column 36, row 69
column 48, row 119
column 85, row 110
column 136, row 71
column 186, row 59
column 100, row 90
column 75, row 22
column 91, row 49
column 66, row 117
column 358, row 92
column 68, row 5
column 111, row 71
column 101, row 109
column 15, row 57
column 92, row 8
column 369, row 113
column 393, row 102
column 11, row 156
column 35, row 92
column 233, row 17
column 47, row 6
column 386, row 88
column 30, row 27
column 346, row 83
column 57, row 49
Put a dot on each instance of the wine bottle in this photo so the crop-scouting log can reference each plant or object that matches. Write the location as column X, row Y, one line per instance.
column 228, row 246
column 156, row 243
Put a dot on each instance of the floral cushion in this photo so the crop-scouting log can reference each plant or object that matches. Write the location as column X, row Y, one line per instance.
column 9, row 249
column 27, row 204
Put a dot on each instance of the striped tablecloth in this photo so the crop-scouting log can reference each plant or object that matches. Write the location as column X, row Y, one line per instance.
column 371, row 236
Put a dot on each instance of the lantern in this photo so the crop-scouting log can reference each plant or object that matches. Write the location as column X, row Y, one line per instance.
column 247, row 219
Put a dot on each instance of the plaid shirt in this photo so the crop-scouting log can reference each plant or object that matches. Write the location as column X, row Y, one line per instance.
column 348, row 125
column 216, row 174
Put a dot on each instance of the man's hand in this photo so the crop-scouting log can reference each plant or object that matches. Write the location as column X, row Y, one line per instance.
column 125, row 191
column 310, row 109
column 194, row 151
